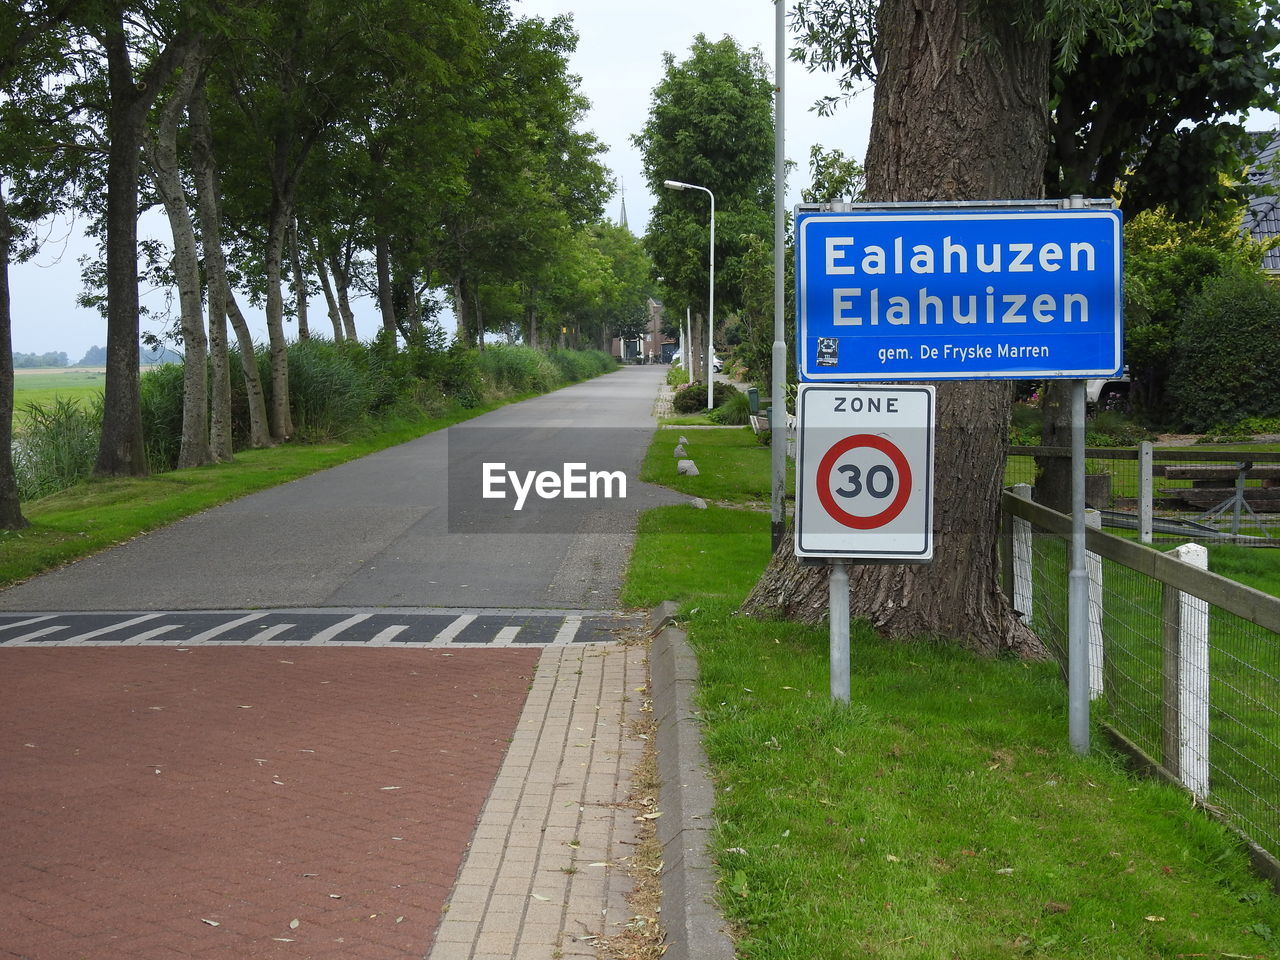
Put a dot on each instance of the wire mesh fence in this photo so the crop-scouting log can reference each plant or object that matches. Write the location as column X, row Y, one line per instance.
column 1203, row 495
column 1184, row 664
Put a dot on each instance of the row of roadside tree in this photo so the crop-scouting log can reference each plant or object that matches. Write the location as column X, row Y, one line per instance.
column 400, row 148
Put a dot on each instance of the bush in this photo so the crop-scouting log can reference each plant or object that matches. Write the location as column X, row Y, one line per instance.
column 1025, row 425
column 517, row 369
column 735, row 411
column 575, row 365
column 161, row 399
column 329, row 395
column 1110, row 428
column 1227, row 367
column 693, row 397
column 57, row 446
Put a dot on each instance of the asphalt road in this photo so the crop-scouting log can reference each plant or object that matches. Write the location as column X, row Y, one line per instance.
column 379, row 531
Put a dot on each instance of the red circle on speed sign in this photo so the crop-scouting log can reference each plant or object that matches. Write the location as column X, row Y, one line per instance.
column 896, row 457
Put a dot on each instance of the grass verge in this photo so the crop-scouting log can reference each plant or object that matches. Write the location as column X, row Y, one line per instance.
column 101, row 513
column 942, row 815
column 733, row 466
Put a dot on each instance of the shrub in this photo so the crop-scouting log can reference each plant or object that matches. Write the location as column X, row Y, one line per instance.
column 1025, row 425
column 56, row 447
column 161, row 392
column 329, row 395
column 518, row 369
column 575, row 365
column 734, row 411
column 1110, row 428
column 693, row 397
column 1227, row 367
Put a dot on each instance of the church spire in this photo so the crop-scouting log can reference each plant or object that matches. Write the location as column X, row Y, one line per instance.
column 622, row 219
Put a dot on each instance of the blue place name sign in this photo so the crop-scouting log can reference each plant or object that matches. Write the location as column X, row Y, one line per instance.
column 954, row 295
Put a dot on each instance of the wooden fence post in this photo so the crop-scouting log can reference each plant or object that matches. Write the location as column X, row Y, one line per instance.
column 1021, row 592
column 1097, row 652
column 1184, row 727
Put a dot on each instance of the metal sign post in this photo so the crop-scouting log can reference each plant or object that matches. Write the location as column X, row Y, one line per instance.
column 981, row 290
column 838, row 598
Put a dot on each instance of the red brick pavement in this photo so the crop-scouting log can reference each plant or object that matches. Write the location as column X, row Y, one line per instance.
column 147, row 791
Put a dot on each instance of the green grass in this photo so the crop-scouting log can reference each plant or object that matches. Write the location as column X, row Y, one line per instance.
column 1258, row 568
column 733, row 466
column 688, row 420
column 941, row 815
column 688, row 555
column 43, row 386
column 101, row 513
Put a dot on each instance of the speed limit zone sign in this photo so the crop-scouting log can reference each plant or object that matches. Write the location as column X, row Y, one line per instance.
column 864, row 472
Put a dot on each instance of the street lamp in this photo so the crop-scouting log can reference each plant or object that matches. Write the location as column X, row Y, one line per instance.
column 711, row 296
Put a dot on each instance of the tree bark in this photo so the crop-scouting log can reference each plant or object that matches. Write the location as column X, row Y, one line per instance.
column 299, row 282
column 120, row 450
column 221, row 301
column 341, row 270
column 259, row 421
column 959, row 114
column 161, row 151
column 11, row 517
column 330, row 301
column 1053, row 474
column 386, row 303
column 462, row 309
column 277, row 226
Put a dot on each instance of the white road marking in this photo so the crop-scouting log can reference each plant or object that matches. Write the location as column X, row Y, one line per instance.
column 72, row 641
column 505, row 636
column 34, row 636
column 446, row 635
column 327, row 634
column 24, row 623
column 568, row 630
column 148, row 635
column 223, row 628
column 384, row 637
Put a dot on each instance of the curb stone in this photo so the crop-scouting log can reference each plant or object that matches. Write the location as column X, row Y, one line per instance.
column 695, row 928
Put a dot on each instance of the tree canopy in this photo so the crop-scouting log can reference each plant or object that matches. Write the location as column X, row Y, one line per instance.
column 413, row 152
column 710, row 123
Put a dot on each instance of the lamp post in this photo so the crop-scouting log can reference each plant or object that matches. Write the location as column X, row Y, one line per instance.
column 711, row 296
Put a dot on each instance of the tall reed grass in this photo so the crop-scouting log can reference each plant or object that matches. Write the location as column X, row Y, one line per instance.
column 336, row 390
column 57, row 445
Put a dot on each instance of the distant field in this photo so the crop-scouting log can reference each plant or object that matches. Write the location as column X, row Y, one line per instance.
column 43, row 385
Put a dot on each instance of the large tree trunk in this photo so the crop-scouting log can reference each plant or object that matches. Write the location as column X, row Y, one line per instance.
column 959, row 115
column 462, row 309
column 281, row 416
column 161, row 151
column 259, row 421
column 330, row 302
column 386, row 303
column 120, row 450
column 341, row 270
column 1053, row 474
column 11, row 517
column 299, row 282
column 221, row 302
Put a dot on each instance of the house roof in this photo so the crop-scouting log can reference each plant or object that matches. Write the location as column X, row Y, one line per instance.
column 1262, row 218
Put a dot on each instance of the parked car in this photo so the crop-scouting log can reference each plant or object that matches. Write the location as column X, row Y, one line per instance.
column 716, row 363
column 1108, row 393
